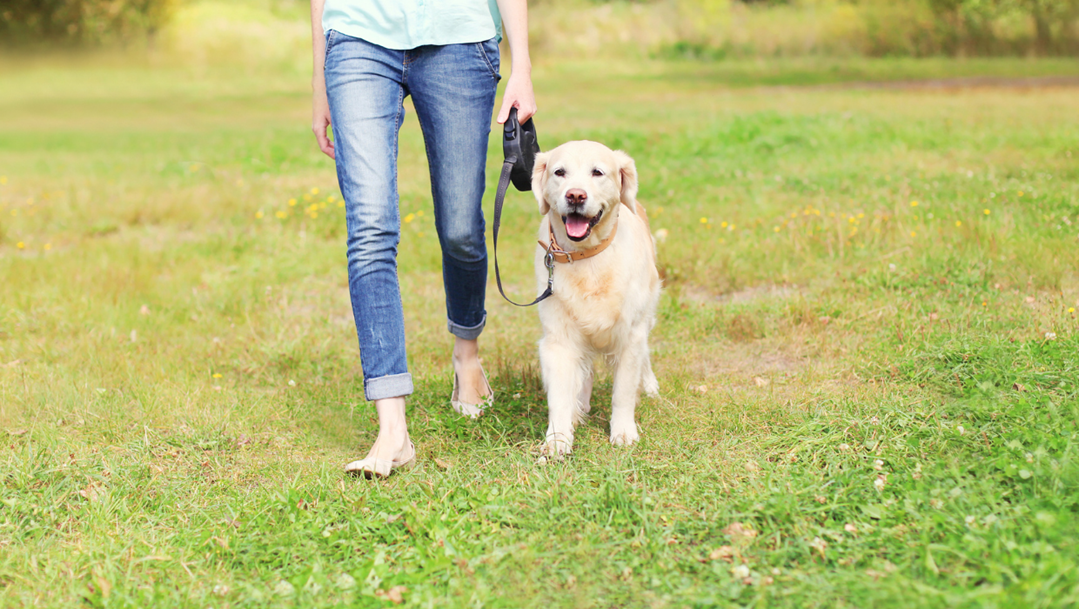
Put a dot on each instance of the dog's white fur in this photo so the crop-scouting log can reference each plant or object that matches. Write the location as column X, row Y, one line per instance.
column 602, row 306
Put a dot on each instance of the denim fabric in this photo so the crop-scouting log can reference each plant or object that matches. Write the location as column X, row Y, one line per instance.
column 453, row 91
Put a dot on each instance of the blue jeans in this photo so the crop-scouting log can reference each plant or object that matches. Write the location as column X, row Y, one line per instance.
column 453, row 91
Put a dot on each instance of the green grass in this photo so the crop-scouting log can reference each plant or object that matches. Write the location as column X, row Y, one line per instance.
column 180, row 386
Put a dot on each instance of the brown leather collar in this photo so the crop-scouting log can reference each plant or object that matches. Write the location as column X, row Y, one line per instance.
column 561, row 255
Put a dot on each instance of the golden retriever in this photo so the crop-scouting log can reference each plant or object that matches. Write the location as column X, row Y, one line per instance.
column 603, row 305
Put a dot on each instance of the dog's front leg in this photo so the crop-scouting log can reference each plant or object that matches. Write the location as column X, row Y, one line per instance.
column 563, row 377
column 628, row 373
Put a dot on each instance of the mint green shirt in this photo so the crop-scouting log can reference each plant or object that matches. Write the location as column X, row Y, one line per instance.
column 407, row 24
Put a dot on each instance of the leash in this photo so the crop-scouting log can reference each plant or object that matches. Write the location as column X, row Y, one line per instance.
column 548, row 258
column 520, row 147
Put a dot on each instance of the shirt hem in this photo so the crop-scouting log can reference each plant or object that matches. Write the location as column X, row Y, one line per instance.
column 395, row 45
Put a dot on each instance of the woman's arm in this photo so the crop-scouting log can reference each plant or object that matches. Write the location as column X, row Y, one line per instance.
column 320, row 119
column 518, row 91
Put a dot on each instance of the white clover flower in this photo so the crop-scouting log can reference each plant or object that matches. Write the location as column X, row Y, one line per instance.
column 879, row 483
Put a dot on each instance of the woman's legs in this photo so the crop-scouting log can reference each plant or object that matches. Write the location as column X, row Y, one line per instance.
column 453, row 89
column 364, row 84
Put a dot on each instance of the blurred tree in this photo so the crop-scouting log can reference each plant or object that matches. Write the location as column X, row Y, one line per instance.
column 81, row 21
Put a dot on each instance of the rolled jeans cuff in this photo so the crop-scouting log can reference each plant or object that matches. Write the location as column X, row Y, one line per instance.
column 390, row 386
column 467, row 333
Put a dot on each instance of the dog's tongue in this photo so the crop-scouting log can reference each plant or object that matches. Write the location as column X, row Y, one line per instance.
column 576, row 226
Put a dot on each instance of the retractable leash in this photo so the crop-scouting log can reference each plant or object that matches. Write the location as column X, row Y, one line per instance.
column 519, row 145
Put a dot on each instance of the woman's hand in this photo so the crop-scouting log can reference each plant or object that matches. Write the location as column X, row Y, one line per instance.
column 320, row 121
column 518, row 94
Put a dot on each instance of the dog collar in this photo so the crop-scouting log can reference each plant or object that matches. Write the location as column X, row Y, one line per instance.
column 561, row 255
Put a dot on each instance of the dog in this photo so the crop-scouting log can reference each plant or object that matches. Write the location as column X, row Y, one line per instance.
column 606, row 288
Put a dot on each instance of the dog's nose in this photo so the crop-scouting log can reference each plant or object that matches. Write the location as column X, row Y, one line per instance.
column 576, row 196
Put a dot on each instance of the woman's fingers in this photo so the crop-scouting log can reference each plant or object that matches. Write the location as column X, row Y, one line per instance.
column 518, row 95
column 324, row 143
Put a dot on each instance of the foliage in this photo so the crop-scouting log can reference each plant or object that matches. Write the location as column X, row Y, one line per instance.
column 81, row 21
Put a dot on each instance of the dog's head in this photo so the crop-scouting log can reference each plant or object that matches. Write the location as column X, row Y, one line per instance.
column 582, row 183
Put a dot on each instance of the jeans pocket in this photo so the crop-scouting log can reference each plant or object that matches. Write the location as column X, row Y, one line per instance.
column 488, row 51
column 331, row 37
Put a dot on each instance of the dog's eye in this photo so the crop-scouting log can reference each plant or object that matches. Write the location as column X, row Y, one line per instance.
column 560, row 172
column 596, row 173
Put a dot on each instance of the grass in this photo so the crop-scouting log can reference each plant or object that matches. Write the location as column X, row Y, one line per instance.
column 881, row 394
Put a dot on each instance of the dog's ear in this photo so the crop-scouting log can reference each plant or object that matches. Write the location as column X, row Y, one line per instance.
column 627, row 179
column 539, row 181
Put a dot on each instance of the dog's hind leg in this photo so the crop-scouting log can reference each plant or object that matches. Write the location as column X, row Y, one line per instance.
column 649, row 384
column 628, row 374
column 584, row 398
column 563, row 376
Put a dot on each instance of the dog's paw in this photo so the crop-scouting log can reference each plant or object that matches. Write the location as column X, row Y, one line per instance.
column 580, row 414
column 624, row 435
column 555, row 448
column 650, row 385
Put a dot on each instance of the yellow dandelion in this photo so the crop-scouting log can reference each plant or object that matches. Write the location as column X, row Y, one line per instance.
column 3, row 180
column 280, row 214
column 217, row 375
column 410, row 218
column 1020, row 193
column 331, row 198
column 258, row 214
column 312, row 207
column 913, row 234
column 775, row 228
column 1071, row 309
column 704, row 220
column 986, row 211
column 852, row 219
column 308, row 198
column 723, row 225
column 794, row 214
column 914, row 204
column 314, row 215
column 314, row 191
column 985, row 304
column 48, row 246
column 340, row 203
column 419, row 214
column 20, row 245
column 731, row 227
column 959, row 223
column 292, row 202
column 861, row 215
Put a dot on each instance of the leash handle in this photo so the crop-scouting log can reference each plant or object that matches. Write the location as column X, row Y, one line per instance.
column 548, row 259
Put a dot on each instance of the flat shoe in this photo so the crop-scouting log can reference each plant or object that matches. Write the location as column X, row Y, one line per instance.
column 380, row 468
column 471, row 410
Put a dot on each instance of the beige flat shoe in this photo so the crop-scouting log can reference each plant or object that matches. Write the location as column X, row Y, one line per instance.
column 471, row 410
column 380, row 468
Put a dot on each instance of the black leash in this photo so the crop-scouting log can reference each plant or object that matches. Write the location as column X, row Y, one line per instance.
column 520, row 147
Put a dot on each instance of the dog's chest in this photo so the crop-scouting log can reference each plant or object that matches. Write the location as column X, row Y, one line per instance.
column 594, row 301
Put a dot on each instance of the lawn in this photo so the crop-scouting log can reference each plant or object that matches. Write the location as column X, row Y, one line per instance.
column 867, row 349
